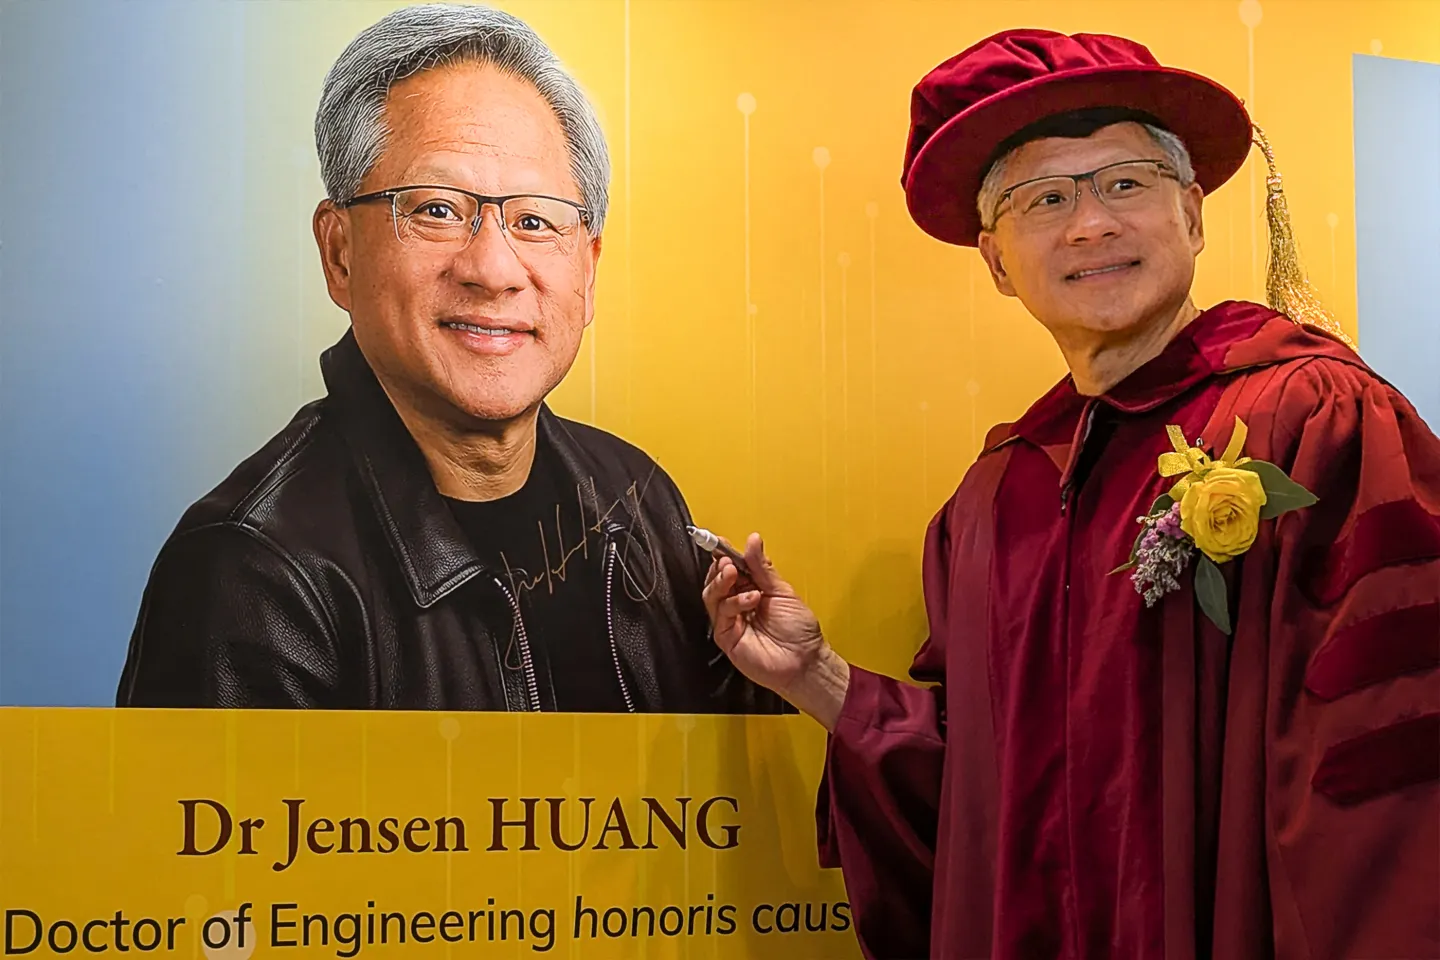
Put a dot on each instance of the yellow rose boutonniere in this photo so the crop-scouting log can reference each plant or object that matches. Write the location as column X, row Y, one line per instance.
column 1215, row 508
column 1221, row 513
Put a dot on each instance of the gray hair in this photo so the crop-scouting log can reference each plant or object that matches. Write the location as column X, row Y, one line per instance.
column 1170, row 145
column 350, row 130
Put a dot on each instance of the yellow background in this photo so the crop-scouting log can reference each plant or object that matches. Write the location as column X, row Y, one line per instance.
column 795, row 352
column 851, row 449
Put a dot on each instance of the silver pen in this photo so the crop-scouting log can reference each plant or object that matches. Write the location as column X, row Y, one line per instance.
column 716, row 547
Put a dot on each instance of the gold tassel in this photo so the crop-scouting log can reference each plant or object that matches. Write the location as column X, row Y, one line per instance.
column 1286, row 287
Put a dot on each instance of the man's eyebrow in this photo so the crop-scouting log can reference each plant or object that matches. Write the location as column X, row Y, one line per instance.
column 431, row 175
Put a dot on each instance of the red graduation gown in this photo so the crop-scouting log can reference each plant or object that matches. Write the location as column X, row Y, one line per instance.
column 1087, row 778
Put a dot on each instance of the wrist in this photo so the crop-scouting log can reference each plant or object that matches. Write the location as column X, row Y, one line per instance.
column 821, row 688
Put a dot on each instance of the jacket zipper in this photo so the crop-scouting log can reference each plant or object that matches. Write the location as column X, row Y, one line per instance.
column 527, row 662
column 611, row 554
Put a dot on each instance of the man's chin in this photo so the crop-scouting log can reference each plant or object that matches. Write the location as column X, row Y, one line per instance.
column 1110, row 317
column 1111, row 322
column 502, row 398
column 496, row 410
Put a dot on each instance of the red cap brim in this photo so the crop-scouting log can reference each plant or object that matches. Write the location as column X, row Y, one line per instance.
column 946, row 175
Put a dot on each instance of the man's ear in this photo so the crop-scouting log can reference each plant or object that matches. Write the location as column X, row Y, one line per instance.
column 592, row 259
column 1192, row 202
column 332, row 236
column 990, row 252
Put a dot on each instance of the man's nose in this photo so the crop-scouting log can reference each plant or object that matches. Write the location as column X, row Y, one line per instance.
column 1090, row 219
column 489, row 260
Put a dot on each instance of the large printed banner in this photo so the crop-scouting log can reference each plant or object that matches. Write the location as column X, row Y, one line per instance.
column 351, row 834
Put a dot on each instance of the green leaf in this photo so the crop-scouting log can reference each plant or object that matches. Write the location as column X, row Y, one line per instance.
column 1210, row 591
column 1162, row 503
column 1281, row 493
column 1134, row 552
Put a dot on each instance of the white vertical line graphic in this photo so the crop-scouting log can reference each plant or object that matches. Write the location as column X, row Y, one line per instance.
column 1333, row 221
column 925, row 454
column 973, row 387
column 844, row 261
column 1250, row 15
column 872, row 210
column 821, row 156
column 745, row 103
column 629, row 234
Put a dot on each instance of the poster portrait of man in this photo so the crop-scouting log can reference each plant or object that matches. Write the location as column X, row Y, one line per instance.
column 429, row 534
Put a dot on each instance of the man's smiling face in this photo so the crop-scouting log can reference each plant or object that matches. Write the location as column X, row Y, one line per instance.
column 1100, row 269
column 484, row 332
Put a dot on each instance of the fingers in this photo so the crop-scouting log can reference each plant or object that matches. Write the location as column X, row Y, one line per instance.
column 730, row 622
column 725, row 583
column 737, row 606
column 762, row 571
column 718, row 585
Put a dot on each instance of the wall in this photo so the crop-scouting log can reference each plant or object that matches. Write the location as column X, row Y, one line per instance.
column 1397, row 198
column 771, row 325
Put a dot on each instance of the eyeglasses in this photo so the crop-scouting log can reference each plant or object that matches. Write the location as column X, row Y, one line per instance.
column 1124, row 186
column 447, row 218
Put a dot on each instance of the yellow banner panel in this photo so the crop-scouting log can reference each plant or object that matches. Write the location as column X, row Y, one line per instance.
column 231, row 834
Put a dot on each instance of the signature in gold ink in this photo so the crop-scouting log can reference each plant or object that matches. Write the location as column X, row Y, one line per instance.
column 521, row 581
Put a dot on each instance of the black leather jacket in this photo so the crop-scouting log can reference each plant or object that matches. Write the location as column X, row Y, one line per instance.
column 327, row 571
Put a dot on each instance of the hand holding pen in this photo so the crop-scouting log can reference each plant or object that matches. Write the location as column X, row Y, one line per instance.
column 768, row 632
column 717, row 548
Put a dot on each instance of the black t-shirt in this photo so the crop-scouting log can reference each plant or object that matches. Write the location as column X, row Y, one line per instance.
column 540, row 542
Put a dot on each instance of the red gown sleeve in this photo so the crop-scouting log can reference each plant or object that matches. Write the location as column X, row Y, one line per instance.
column 879, row 799
column 1354, row 719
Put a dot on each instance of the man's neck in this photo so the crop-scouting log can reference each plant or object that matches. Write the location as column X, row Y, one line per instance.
column 1097, row 364
column 473, row 464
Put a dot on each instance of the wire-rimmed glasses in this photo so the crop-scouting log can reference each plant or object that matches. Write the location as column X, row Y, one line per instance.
column 1122, row 186
column 438, row 217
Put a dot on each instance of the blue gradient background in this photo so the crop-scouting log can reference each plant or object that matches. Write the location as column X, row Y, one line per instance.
column 162, row 309
column 141, row 355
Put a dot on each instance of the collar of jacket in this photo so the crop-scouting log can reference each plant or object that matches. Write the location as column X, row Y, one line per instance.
column 429, row 546
column 1227, row 338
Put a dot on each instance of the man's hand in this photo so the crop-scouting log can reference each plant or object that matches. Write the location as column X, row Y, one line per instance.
column 772, row 637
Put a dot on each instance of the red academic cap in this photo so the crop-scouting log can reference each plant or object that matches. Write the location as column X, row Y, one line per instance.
column 967, row 107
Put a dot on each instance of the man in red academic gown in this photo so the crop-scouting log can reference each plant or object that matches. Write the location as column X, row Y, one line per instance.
column 1087, row 775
